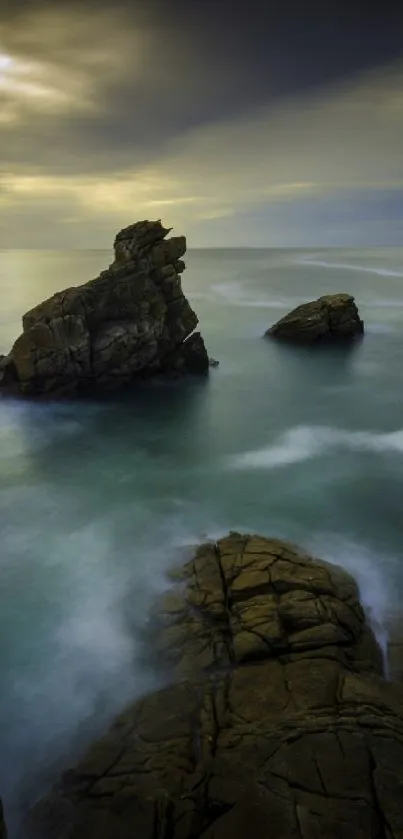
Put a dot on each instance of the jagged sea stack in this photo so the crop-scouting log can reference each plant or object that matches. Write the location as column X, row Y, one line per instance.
column 332, row 318
column 131, row 322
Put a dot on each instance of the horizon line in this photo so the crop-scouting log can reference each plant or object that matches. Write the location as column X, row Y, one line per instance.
column 220, row 248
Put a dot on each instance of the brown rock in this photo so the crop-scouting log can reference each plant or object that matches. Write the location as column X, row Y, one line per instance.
column 131, row 322
column 333, row 317
column 278, row 722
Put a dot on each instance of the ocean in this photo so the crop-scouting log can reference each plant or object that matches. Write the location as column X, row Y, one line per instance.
column 97, row 500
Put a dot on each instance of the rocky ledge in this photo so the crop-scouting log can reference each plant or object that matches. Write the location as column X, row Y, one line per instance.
column 277, row 721
column 131, row 322
column 332, row 318
column 3, row 831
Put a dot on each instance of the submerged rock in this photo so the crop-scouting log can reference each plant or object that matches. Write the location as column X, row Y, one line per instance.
column 333, row 317
column 277, row 722
column 130, row 322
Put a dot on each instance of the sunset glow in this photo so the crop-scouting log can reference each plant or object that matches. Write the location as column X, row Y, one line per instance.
column 92, row 103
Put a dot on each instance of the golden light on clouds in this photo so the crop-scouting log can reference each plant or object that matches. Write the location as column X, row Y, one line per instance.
column 60, row 62
column 95, row 135
column 120, row 193
column 5, row 63
column 35, row 85
column 140, row 194
column 32, row 86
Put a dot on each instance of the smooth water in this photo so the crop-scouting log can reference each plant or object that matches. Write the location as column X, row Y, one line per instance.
column 96, row 500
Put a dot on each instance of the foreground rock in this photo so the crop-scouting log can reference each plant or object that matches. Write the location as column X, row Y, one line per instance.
column 278, row 723
column 3, row 831
column 131, row 322
column 331, row 318
column 395, row 646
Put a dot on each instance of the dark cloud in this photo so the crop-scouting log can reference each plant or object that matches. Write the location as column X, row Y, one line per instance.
column 207, row 61
column 211, row 97
column 352, row 218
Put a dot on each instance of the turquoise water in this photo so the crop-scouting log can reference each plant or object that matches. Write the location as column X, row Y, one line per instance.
column 97, row 500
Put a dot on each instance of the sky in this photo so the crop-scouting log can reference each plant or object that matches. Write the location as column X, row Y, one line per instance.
column 258, row 124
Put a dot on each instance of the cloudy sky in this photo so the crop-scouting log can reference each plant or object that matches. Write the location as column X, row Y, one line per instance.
column 261, row 123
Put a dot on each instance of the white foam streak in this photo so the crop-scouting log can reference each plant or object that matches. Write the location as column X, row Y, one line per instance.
column 306, row 442
column 346, row 266
column 379, row 329
column 236, row 295
column 383, row 303
column 368, row 569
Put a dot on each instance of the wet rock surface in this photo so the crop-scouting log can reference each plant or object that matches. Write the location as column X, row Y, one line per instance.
column 277, row 721
column 395, row 646
column 3, row 831
column 332, row 318
column 131, row 322
column 190, row 357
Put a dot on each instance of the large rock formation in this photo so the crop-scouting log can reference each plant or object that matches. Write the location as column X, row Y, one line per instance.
column 333, row 317
column 277, row 723
column 132, row 321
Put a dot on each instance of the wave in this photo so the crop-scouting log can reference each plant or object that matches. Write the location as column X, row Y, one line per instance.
column 26, row 428
column 199, row 295
column 346, row 266
column 306, row 442
column 236, row 295
column 377, row 595
column 87, row 657
column 366, row 367
column 382, row 303
column 379, row 329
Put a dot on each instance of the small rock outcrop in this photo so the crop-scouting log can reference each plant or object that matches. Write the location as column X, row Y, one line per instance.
column 332, row 318
column 133, row 321
column 277, row 721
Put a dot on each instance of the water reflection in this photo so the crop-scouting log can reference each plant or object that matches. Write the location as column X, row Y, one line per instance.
column 319, row 364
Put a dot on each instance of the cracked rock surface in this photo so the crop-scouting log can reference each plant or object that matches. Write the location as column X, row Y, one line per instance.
column 132, row 321
column 333, row 317
column 277, row 722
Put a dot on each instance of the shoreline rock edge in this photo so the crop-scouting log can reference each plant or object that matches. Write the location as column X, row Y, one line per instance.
column 277, row 718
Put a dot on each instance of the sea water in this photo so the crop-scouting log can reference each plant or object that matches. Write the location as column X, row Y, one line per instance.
column 97, row 500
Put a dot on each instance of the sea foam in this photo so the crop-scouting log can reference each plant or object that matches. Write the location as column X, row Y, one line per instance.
column 346, row 266
column 306, row 442
column 368, row 569
column 238, row 295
